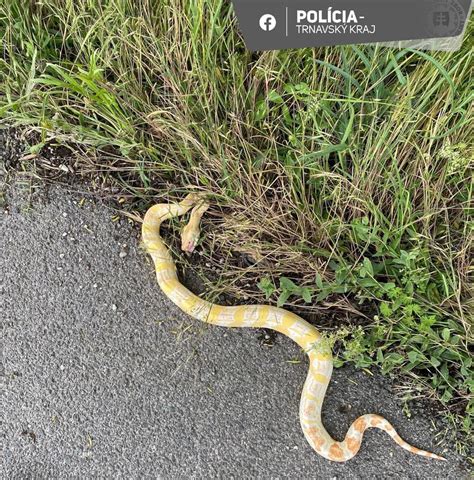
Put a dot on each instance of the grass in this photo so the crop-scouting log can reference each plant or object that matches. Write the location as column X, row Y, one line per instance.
column 344, row 174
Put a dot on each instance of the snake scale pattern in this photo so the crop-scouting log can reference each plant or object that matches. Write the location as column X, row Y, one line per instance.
column 261, row 316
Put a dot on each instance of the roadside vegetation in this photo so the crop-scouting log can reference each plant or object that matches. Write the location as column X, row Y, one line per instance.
column 343, row 175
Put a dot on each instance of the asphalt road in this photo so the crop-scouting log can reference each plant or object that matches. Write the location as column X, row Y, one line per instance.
column 103, row 377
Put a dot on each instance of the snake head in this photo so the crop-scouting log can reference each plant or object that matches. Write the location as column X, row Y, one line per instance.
column 189, row 237
column 191, row 232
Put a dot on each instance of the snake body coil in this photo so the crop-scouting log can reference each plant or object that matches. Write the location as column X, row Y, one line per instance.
column 262, row 316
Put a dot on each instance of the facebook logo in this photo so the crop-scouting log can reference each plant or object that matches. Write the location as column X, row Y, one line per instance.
column 267, row 22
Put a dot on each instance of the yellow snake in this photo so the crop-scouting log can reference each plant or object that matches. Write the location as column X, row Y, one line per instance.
column 261, row 316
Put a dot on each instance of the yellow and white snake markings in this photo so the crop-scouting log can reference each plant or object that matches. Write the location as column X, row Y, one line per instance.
column 261, row 316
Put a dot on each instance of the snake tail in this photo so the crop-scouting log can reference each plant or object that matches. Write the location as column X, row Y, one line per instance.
column 264, row 316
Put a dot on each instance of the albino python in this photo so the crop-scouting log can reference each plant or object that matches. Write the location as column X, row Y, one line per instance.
column 261, row 316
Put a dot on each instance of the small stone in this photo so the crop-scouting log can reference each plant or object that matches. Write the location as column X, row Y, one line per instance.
column 122, row 254
column 62, row 367
column 114, row 307
column 64, row 214
column 61, row 255
column 65, row 234
column 95, row 285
